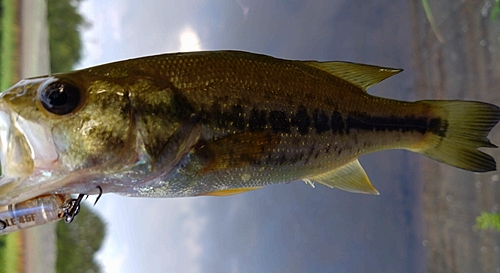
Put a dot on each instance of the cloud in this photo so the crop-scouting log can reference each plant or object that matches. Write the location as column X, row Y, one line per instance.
column 154, row 234
column 189, row 40
column 113, row 259
column 91, row 36
column 154, row 26
column 105, row 31
column 124, row 29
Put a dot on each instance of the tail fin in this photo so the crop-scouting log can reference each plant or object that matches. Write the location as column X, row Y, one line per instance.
column 464, row 129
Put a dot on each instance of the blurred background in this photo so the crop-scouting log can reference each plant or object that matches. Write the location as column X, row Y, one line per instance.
column 428, row 218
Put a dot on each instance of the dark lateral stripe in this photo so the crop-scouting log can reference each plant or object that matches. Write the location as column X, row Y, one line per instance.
column 318, row 121
column 404, row 124
column 358, row 121
column 178, row 107
column 338, row 124
column 301, row 120
column 321, row 121
column 279, row 122
column 257, row 120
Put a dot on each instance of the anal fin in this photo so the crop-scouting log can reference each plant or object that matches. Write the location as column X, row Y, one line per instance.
column 230, row 191
column 351, row 177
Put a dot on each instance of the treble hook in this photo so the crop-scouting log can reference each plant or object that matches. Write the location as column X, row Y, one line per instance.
column 99, row 196
column 73, row 206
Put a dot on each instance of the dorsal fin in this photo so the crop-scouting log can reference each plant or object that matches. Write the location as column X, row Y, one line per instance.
column 361, row 75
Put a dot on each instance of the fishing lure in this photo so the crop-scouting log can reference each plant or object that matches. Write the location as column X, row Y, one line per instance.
column 40, row 210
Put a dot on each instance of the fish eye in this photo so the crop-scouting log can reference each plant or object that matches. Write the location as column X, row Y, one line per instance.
column 60, row 98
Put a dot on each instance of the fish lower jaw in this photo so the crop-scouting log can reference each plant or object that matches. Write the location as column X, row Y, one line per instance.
column 7, row 183
column 14, row 189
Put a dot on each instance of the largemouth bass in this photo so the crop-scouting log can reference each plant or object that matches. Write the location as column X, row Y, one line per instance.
column 219, row 123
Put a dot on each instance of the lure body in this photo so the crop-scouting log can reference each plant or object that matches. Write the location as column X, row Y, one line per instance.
column 34, row 212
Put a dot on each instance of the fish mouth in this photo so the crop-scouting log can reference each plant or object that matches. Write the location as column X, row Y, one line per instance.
column 27, row 156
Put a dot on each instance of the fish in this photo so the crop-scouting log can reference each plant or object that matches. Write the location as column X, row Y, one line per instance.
column 217, row 123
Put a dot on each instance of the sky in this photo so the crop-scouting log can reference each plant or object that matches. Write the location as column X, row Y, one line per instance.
column 281, row 228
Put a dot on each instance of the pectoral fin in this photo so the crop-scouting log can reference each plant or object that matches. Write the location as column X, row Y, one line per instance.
column 350, row 177
column 237, row 150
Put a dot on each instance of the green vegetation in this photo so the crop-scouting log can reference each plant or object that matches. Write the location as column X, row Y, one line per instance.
column 77, row 242
column 11, row 257
column 488, row 221
column 7, row 43
column 65, row 42
column 430, row 17
column 9, row 244
column 3, row 252
column 495, row 10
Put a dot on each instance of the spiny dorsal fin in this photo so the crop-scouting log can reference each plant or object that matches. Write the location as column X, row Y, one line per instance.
column 361, row 75
column 350, row 177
